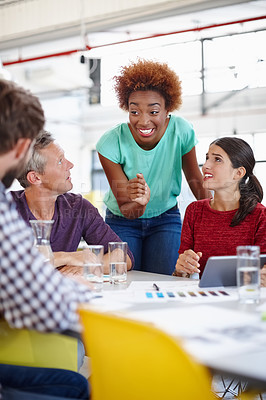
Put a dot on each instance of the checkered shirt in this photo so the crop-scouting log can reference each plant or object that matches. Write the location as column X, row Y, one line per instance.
column 32, row 294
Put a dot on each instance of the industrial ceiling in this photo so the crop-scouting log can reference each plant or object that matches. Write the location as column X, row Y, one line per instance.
column 25, row 22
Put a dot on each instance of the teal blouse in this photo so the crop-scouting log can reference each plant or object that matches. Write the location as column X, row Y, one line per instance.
column 160, row 166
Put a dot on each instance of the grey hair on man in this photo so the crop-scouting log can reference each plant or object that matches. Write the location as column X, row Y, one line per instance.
column 37, row 161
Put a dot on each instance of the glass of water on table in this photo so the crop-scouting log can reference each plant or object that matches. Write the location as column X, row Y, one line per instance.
column 118, row 262
column 248, row 273
column 93, row 266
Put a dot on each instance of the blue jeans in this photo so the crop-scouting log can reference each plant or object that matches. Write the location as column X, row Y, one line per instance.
column 13, row 394
column 46, row 382
column 154, row 242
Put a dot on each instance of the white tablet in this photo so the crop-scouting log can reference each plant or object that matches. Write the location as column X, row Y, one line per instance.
column 221, row 271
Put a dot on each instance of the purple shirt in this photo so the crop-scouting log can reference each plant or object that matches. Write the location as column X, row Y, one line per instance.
column 32, row 294
column 74, row 218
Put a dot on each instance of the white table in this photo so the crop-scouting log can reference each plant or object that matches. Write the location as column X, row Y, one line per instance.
column 248, row 364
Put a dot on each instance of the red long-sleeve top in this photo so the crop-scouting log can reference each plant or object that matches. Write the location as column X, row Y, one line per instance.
column 209, row 231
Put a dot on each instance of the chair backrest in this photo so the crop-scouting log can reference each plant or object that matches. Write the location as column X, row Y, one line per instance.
column 132, row 360
column 35, row 349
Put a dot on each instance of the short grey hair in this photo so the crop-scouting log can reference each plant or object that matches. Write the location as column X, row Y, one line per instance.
column 37, row 162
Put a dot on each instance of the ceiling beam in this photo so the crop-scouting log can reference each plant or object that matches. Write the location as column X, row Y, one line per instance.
column 94, row 21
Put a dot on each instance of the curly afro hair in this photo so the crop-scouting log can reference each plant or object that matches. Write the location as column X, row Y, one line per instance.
column 148, row 75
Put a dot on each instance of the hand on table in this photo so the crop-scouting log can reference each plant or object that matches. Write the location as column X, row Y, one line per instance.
column 263, row 276
column 73, row 258
column 188, row 262
column 76, row 274
column 72, row 262
column 71, row 270
column 138, row 190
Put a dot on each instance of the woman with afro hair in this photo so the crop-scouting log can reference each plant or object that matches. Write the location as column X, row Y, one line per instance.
column 143, row 160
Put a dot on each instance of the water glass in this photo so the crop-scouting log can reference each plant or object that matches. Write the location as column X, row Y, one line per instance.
column 118, row 262
column 42, row 231
column 248, row 273
column 93, row 266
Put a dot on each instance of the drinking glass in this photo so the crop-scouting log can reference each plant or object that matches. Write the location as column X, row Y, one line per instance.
column 42, row 231
column 118, row 262
column 93, row 266
column 248, row 273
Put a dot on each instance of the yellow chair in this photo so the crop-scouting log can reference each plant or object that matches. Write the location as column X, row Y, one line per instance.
column 135, row 361
column 35, row 349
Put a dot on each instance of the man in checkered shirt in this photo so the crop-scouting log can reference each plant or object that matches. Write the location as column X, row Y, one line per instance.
column 32, row 294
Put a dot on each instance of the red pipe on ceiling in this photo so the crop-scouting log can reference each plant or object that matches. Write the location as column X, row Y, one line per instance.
column 87, row 48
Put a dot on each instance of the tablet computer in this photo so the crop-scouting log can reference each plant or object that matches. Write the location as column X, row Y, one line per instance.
column 221, row 271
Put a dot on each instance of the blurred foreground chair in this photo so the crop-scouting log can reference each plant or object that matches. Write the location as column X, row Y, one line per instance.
column 35, row 349
column 135, row 361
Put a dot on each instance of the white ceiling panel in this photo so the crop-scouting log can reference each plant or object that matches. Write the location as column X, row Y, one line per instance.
column 25, row 22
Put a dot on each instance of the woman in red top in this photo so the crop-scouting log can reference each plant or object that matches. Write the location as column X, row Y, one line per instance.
column 233, row 217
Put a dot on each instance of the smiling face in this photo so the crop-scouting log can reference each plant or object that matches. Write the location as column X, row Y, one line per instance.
column 218, row 172
column 56, row 176
column 148, row 117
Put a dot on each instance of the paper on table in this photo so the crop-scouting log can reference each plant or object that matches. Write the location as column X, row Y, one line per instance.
column 262, row 305
column 113, row 301
column 189, row 292
column 208, row 331
column 144, row 292
column 163, row 285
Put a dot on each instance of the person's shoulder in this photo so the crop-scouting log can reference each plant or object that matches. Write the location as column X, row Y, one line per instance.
column 109, row 144
column 180, row 121
column 199, row 204
column 74, row 200
column 113, row 132
column 116, row 129
column 197, row 207
column 259, row 210
column 182, row 131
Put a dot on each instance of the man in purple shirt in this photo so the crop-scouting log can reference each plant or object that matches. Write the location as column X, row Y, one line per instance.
column 46, row 179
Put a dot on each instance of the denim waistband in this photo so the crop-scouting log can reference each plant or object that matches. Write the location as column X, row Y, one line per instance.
column 109, row 214
column 174, row 208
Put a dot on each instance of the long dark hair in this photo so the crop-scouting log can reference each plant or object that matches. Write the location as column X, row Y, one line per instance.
column 251, row 192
